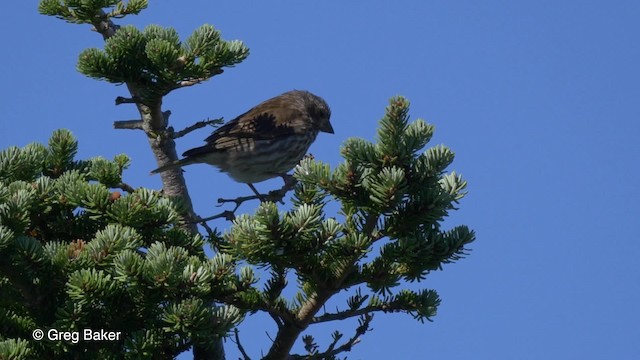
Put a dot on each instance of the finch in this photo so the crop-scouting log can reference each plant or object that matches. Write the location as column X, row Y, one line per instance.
column 266, row 141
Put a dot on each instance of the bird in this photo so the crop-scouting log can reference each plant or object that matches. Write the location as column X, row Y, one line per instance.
column 265, row 142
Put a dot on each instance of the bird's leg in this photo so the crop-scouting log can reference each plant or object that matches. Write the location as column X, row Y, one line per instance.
column 239, row 200
column 255, row 191
column 279, row 194
column 274, row 195
column 287, row 179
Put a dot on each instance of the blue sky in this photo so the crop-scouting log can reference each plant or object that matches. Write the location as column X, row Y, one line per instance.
column 540, row 100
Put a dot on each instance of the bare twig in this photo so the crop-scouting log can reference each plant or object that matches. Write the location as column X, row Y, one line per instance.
column 138, row 124
column 331, row 351
column 274, row 196
column 276, row 319
column 341, row 315
column 228, row 215
column 370, row 224
column 278, row 315
column 198, row 125
column 128, row 124
column 239, row 200
column 242, row 351
column 336, row 337
column 310, row 344
column 132, row 100
column 210, row 232
column 126, row 187
column 191, row 82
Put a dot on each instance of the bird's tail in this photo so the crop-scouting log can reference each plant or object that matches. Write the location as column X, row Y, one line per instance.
column 173, row 165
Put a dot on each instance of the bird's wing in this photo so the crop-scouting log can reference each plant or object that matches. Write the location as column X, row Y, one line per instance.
column 263, row 124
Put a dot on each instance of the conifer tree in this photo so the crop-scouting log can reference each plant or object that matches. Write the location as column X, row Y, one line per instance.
column 82, row 249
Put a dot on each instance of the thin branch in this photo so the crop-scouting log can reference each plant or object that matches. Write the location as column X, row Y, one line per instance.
column 336, row 338
column 276, row 319
column 341, row 315
column 228, row 215
column 242, row 351
column 269, row 336
column 290, row 332
column 104, row 25
column 132, row 100
column 271, row 294
column 137, row 124
column 367, row 230
column 310, row 344
column 128, row 124
column 196, row 81
column 274, row 196
column 126, row 187
column 198, row 125
column 370, row 224
column 365, row 321
column 190, row 82
column 212, row 235
column 239, row 200
column 278, row 316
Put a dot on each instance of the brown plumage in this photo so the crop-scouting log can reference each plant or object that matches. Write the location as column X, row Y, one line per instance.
column 266, row 141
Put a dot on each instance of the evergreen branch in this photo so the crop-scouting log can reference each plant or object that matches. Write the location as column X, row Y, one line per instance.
column 198, row 125
column 154, row 121
column 276, row 284
column 280, row 318
column 273, row 289
column 368, row 231
column 394, row 306
column 370, row 224
column 30, row 294
column 336, row 337
column 148, row 99
column 288, row 334
column 242, row 351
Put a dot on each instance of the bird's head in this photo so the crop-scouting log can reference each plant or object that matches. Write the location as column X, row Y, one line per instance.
column 319, row 112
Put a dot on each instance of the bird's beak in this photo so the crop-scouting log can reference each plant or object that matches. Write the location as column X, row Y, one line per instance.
column 326, row 127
